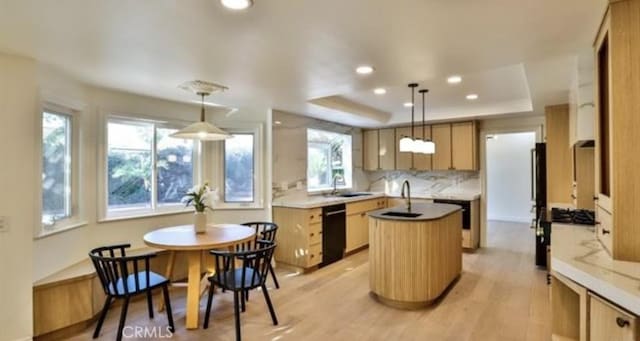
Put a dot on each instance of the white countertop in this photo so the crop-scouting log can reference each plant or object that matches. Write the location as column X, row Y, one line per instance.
column 313, row 201
column 578, row 255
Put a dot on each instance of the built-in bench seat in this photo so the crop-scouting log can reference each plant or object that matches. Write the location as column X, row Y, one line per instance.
column 69, row 300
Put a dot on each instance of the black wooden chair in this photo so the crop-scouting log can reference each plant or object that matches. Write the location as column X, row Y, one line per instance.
column 122, row 277
column 251, row 274
column 265, row 231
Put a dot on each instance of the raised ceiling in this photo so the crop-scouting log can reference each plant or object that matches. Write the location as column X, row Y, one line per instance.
column 517, row 55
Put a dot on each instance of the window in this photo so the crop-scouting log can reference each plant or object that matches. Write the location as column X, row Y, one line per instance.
column 239, row 169
column 57, row 204
column 147, row 170
column 328, row 158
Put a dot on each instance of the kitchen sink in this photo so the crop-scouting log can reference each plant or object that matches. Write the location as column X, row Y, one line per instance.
column 402, row 214
column 354, row 194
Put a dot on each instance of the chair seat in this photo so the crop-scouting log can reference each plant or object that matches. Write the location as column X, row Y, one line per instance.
column 155, row 280
column 251, row 280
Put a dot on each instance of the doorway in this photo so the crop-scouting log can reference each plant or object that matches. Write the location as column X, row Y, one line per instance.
column 509, row 176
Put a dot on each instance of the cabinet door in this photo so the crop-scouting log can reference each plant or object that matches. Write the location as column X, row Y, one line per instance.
column 352, row 234
column 607, row 322
column 463, row 146
column 387, row 149
column 371, row 150
column 364, row 230
column 404, row 160
column 441, row 135
column 422, row 161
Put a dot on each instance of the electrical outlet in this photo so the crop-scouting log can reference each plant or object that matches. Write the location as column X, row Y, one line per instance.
column 4, row 224
column 299, row 185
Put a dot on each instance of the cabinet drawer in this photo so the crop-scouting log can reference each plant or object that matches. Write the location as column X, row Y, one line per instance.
column 315, row 216
column 315, row 255
column 365, row 206
column 315, row 234
column 604, row 228
column 608, row 322
column 466, row 239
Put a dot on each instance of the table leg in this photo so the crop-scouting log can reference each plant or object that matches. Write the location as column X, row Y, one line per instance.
column 167, row 274
column 193, row 289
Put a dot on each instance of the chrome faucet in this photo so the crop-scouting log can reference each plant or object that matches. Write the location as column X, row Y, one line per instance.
column 335, row 184
column 406, row 182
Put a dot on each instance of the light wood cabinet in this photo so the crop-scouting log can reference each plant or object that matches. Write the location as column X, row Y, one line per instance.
column 371, row 150
column 441, row 135
column 559, row 156
column 569, row 309
column 608, row 322
column 471, row 237
column 404, row 160
column 617, row 54
column 422, row 162
column 357, row 230
column 387, row 149
column 299, row 236
column 464, row 153
column 456, row 148
column 584, row 174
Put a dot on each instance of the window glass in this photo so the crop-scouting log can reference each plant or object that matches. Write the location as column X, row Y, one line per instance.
column 239, row 168
column 56, row 167
column 328, row 159
column 174, row 166
column 129, row 159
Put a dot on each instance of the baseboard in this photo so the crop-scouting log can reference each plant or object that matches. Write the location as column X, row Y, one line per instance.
column 525, row 220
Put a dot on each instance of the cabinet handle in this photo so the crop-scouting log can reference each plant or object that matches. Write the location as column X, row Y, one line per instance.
column 622, row 322
column 573, row 196
column 597, row 223
column 312, row 255
column 362, row 214
column 605, row 231
column 311, row 234
column 595, row 198
column 311, row 217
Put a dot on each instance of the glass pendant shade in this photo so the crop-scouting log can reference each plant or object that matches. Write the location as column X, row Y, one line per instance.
column 406, row 144
column 203, row 131
column 418, row 146
column 428, row 147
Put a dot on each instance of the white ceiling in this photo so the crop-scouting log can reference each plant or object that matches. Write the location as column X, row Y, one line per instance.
column 516, row 54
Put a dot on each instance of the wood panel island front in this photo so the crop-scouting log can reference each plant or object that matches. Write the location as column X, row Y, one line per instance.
column 414, row 255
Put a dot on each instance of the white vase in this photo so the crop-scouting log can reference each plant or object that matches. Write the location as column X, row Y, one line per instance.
column 200, row 222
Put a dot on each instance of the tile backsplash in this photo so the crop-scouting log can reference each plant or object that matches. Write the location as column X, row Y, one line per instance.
column 432, row 182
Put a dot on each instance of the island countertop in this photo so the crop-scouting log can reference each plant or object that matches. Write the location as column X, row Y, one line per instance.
column 427, row 211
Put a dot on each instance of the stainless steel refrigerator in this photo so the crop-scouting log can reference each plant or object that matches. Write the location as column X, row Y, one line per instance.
column 540, row 222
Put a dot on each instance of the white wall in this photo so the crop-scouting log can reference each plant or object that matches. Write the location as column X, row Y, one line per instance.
column 509, row 176
column 18, row 98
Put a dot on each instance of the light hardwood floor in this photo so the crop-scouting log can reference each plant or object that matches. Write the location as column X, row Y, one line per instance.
column 500, row 296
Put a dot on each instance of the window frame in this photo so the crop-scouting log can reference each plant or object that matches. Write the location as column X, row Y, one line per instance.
column 348, row 184
column 75, row 218
column 156, row 209
column 258, row 169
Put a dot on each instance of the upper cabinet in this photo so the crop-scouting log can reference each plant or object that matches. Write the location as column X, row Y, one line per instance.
column 456, row 148
column 441, row 135
column 559, row 156
column 464, row 151
column 617, row 61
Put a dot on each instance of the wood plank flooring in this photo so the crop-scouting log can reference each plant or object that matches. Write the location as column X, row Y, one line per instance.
column 500, row 296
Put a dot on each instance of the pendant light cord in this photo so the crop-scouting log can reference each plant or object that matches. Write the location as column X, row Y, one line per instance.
column 413, row 87
column 423, row 92
column 202, row 107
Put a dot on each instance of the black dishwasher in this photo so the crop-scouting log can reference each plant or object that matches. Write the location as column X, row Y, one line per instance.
column 466, row 210
column 333, row 233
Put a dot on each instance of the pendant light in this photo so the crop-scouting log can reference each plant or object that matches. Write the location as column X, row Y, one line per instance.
column 203, row 130
column 407, row 144
column 426, row 146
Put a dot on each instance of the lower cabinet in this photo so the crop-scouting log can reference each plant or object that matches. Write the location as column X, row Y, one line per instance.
column 579, row 314
column 299, row 236
column 358, row 222
column 608, row 322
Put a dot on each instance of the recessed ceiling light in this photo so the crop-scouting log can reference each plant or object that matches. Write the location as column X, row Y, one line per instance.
column 380, row 91
column 364, row 69
column 408, row 104
column 472, row 97
column 277, row 123
column 237, row 4
column 454, row 79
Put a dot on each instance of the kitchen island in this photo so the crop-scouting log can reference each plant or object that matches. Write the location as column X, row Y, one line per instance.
column 414, row 255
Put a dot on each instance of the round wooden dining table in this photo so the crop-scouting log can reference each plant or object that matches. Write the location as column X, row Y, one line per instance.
column 184, row 239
